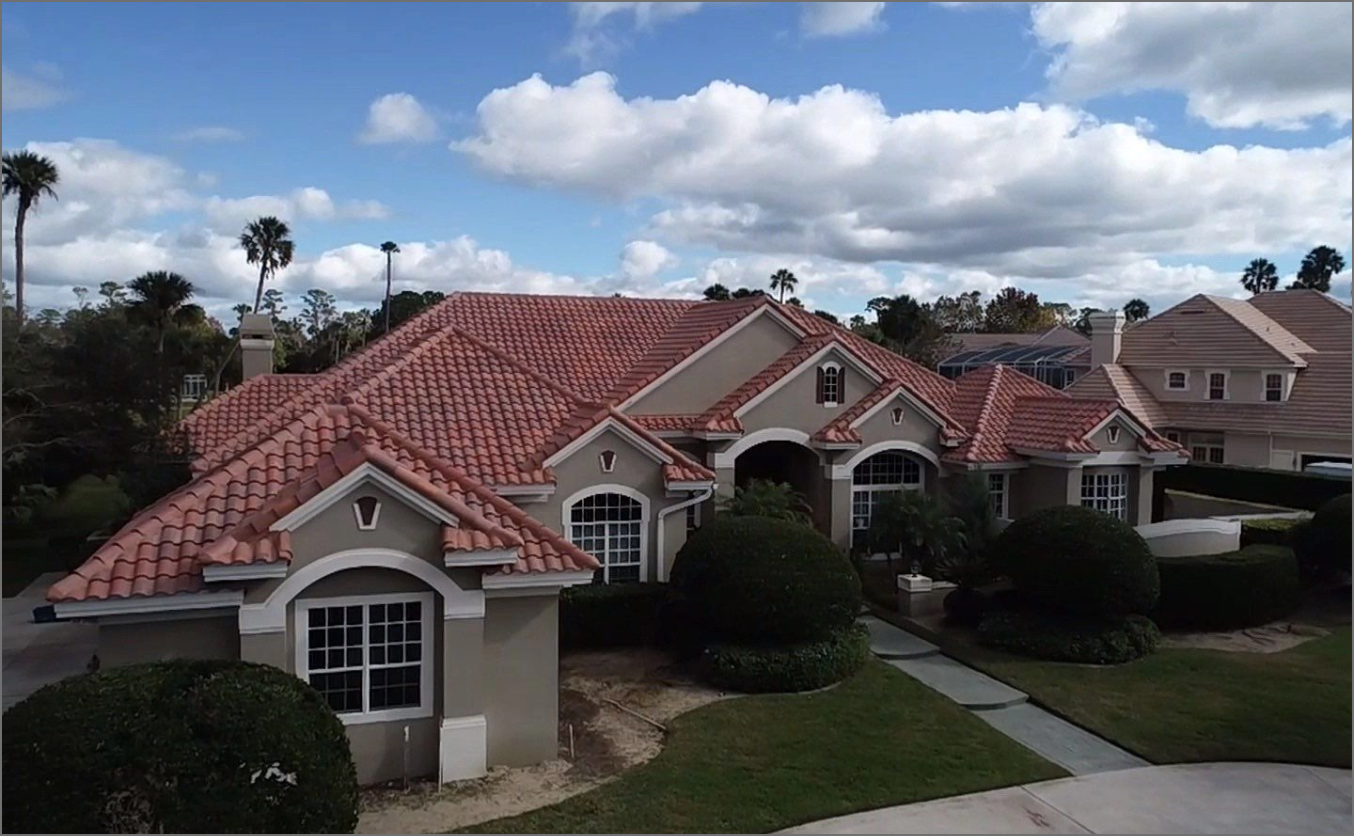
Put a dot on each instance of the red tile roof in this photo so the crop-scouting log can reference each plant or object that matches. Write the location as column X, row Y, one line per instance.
column 215, row 422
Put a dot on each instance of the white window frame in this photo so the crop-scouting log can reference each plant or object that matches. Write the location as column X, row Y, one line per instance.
column 1282, row 386
column 375, row 515
column 1226, row 385
column 567, row 523
column 1182, row 388
column 1114, row 504
column 427, row 661
column 888, row 487
column 1208, row 442
column 193, row 387
column 1001, row 494
column 1174, row 436
column 835, row 387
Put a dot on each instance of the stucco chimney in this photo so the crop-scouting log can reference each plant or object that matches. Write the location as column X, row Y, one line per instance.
column 256, row 344
column 1107, row 335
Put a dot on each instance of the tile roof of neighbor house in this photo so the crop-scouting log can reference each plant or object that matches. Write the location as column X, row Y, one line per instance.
column 1316, row 318
column 1193, row 334
column 476, row 391
column 1112, row 381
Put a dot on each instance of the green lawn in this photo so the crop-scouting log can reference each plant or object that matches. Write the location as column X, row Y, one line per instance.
column 758, row 764
column 1179, row 706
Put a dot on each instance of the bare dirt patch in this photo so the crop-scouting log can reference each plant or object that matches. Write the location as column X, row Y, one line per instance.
column 607, row 740
column 1268, row 638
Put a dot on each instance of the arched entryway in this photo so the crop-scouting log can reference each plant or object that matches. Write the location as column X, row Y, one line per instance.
column 790, row 463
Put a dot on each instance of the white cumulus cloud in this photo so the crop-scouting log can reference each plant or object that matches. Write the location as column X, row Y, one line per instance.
column 598, row 28
column 1239, row 65
column 398, row 117
column 40, row 87
column 644, row 259
column 843, row 18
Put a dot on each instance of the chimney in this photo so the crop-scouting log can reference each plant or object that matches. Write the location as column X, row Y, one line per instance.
column 256, row 344
column 1107, row 335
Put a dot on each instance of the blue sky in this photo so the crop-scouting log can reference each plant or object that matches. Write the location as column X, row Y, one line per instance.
column 716, row 147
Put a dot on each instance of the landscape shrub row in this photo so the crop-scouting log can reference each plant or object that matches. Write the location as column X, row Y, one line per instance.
column 1061, row 637
column 805, row 666
column 1255, row 585
column 595, row 616
column 1287, row 489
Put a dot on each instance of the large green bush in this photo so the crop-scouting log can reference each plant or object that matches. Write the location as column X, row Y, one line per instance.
column 1226, row 591
column 757, row 669
column 1323, row 545
column 1059, row 637
column 178, row 747
column 757, row 580
column 1078, row 560
column 610, row 615
column 1275, row 531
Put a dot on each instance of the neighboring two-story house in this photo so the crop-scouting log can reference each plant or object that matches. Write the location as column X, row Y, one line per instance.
column 1057, row 356
column 396, row 529
column 1263, row 382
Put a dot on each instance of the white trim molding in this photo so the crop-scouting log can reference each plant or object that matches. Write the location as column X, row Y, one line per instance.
column 536, row 580
column 271, row 615
column 363, row 473
column 1120, row 415
column 212, row 573
column 484, row 557
column 462, row 748
column 1226, row 384
column 636, row 440
column 812, row 361
column 566, row 519
column 846, row 468
column 544, row 489
column 1166, row 382
column 140, row 604
column 686, row 487
column 363, row 525
column 727, row 457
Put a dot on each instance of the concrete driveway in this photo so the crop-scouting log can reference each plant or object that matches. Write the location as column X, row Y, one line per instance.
column 1187, row 798
column 36, row 654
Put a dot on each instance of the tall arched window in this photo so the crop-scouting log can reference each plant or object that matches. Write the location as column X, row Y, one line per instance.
column 889, row 472
column 830, row 384
column 610, row 527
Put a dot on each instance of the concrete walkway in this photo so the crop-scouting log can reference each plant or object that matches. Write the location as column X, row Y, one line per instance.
column 37, row 654
column 1004, row 708
column 1188, row 798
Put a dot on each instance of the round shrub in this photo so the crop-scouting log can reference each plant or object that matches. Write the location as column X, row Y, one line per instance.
column 610, row 615
column 757, row 580
column 1067, row 638
column 1078, row 560
column 1227, row 591
column 178, row 747
column 757, row 669
column 1324, row 544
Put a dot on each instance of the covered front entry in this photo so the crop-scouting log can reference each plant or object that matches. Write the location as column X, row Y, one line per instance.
column 793, row 464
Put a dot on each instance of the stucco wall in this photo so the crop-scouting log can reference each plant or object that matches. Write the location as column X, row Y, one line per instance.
column 793, row 404
column 1128, row 438
column 155, row 641
column 1039, row 486
column 1243, row 385
column 1246, row 450
column 701, row 385
column 521, row 682
column 915, row 427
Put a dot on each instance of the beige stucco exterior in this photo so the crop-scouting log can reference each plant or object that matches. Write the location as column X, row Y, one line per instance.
column 127, row 643
column 521, row 686
column 793, row 406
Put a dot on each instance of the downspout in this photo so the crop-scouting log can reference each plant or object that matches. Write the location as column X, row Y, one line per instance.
column 700, row 496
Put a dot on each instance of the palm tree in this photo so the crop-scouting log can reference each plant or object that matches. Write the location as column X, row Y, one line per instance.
column 783, row 281
column 1136, row 309
column 267, row 243
column 1318, row 267
column 766, row 498
column 161, row 298
column 918, row 526
column 389, row 248
column 31, row 177
column 1260, row 276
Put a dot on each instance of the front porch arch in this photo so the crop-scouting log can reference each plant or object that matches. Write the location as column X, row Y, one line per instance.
column 846, row 468
column 727, row 458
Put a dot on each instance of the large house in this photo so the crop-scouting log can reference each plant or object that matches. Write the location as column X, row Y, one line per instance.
column 1057, row 356
column 396, row 529
column 1263, row 382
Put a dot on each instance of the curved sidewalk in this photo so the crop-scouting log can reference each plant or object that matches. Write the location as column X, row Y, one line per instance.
column 1184, row 798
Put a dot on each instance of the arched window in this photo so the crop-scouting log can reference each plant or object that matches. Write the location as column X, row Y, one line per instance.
column 830, row 384
column 882, row 474
column 610, row 527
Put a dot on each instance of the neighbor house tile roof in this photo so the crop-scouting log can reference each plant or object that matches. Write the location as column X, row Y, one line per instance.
column 1316, row 318
column 1113, row 381
column 1211, row 329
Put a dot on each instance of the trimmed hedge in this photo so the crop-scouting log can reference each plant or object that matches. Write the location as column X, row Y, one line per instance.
column 756, row 669
column 1271, row 532
column 1287, row 489
column 1324, row 544
column 610, row 615
column 764, row 581
column 1078, row 560
column 1255, row 585
column 1064, row 638
column 178, row 747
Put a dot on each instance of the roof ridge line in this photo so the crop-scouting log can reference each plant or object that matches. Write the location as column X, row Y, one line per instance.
column 1284, row 353
column 431, row 338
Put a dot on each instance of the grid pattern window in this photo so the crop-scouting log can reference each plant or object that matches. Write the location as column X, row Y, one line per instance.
column 1106, row 492
column 1177, row 381
column 830, row 385
column 194, row 387
column 610, row 527
column 1274, row 388
column 1173, row 436
column 368, row 658
column 1217, row 386
column 1206, row 448
column 873, row 480
column 996, row 493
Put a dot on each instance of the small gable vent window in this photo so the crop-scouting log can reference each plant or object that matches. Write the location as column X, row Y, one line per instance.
column 897, row 415
column 367, row 510
column 830, row 384
column 607, row 458
column 1114, row 435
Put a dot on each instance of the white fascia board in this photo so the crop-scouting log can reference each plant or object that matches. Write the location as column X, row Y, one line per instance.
column 524, row 490
column 245, row 572
column 1121, row 415
column 765, row 310
column 180, row 602
column 836, row 445
column 636, row 440
column 527, row 580
column 856, row 363
column 716, row 436
column 363, row 472
column 989, row 466
column 486, row 557
column 690, row 485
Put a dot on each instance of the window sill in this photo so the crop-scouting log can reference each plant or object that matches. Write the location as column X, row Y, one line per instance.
column 385, row 716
